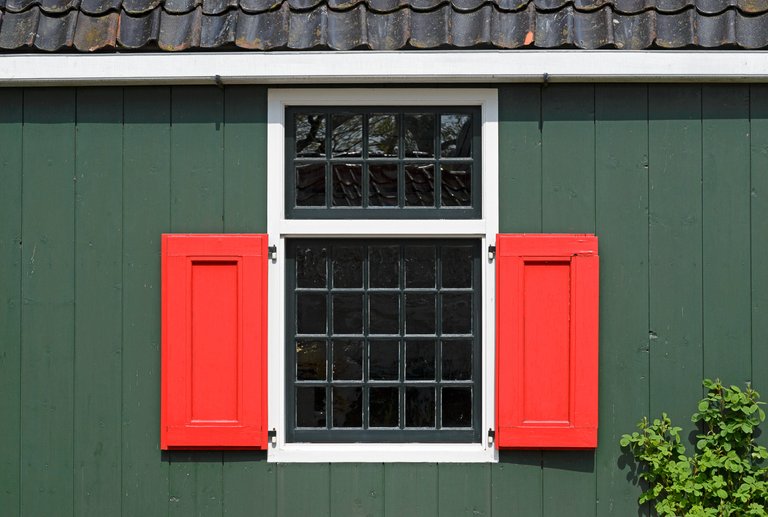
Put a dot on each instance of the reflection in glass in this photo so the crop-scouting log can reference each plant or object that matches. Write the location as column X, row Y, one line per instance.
column 382, row 135
column 347, row 360
column 384, row 360
column 420, row 407
column 455, row 135
column 310, row 265
column 384, row 266
column 310, row 360
column 310, row 313
column 420, row 185
column 347, row 184
column 310, row 407
column 310, row 135
column 382, row 186
column 347, row 266
column 456, row 185
column 457, row 360
column 347, row 135
column 310, row 184
column 420, row 360
column 420, row 135
column 347, row 313
column 457, row 407
column 457, row 266
column 419, row 266
column 419, row 313
column 384, row 407
column 347, row 407
column 457, row 313
column 384, row 313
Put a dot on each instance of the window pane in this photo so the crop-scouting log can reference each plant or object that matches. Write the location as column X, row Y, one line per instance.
column 382, row 186
column 457, row 313
column 420, row 135
column 310, row 135
column 347, row 360
column 456, row 185
column 311, row 265
column 420, row 407
column 347, row 135
column 384, row 313
column 457, row 407
column 347, row 266
column 382, row 135
column 420, row 185
column 310, row 407
column 384, row 407
column 420, row 266
column 384, row 266
column 310, row 184
column 420, row 360
column 457, row 266
column 455, row 135
column 384, row 359
column 347, row 184
column 419, row 313
column 347, row 313
column 310, row 313
column 457, row 360
column 310, row 360
column 347, row 407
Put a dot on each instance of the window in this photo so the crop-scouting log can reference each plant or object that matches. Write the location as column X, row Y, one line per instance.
column 381, row 203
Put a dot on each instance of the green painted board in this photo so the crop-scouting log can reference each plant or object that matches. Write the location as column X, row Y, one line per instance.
column 759, row 234
column 410, row 489
column 726, row 240
column 621, row 210
column 98, row 301
column 249, row 485
column 464, row 489
column 146, row 214
column 195, row 483
column 303, row 489
column 47, row 315
column 675, row 236
column 520, row 158
column 516, row 484
column 10, row 297
column 569, row 483
column 357, row 490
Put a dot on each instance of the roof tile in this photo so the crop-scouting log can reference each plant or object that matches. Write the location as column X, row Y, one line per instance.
column 96, row 32
column 19, row 29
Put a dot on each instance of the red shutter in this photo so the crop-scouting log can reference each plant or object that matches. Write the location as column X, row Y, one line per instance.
column 214, row 337
column 546, row 341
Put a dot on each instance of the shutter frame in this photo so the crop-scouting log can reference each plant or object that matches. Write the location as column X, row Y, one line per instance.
column 218, row 401
column 565, row 416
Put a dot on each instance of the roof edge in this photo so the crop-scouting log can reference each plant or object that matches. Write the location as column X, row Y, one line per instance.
column 358, row 67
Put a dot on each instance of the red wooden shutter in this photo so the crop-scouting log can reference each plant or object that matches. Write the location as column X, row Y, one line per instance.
column 546, row 341
column 214, row 337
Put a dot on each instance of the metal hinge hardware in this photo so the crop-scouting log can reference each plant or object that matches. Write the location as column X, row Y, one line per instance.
column 491, row 252
column 273, row 253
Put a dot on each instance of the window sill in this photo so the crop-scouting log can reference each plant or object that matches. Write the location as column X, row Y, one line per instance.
column 382, row 453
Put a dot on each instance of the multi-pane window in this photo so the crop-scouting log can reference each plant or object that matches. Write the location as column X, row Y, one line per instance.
column 383, row 340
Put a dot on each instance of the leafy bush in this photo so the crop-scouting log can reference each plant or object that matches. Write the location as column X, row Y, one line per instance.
column 725, row 476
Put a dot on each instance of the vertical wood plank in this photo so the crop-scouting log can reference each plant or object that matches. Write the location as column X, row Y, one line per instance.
column 303, row 489
column 357, row 489
column 568, row 206
column 520, row 158
column 146, row 214
column 759, row 231
column 464, row 489
column 10, row 296
column 48, row 302
column 98, row 300
column 516, row 484
column 197, row 206
column 621, row 183
column 725, row 223
column 250, row 485
column 410, row 489
column 675, row 237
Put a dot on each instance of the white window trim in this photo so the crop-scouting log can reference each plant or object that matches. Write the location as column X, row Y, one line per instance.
column 280, row 228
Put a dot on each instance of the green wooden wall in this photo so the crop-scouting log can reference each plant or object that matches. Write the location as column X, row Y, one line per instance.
column 673, row 179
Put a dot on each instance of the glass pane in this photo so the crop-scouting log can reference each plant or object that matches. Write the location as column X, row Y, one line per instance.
column 310, row 265
column 347, row 185
column 347, row 360
column 456, row 185
column 310, row 360
column 384, row 358
column 347, row 313
column 347, row 266
column 419, row 313
column 420, row 360
column 382, row 135
column 420, row 407
column 457, row 266
column 420, row 185
column 347, row 135
column 348, row 407
column 457, row 360
column 310, row 184
column 382, row 188
column 310, row 135
column 420, row 135
column 384, row 313
column 455, row 135
column 457, row 407
column 310, row 407
column 384, row 264
column 384, row 407
column 457, row 313
column 310, row 313
column 419, row 266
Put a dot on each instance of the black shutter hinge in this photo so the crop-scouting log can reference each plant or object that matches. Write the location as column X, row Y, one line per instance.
column 273, row 253
column 272, row 437
column 491, row 436
column 491, row 252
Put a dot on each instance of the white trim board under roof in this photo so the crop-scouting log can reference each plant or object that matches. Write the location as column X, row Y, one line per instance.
column 469, row 66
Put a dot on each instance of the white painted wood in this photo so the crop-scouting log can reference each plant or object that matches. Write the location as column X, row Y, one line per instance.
column 385, row 67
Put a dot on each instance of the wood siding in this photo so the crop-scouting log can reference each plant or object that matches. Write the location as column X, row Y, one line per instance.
column 672, row 178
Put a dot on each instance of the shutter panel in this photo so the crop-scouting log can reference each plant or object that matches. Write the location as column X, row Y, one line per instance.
column 214, row 342
column 546, row 341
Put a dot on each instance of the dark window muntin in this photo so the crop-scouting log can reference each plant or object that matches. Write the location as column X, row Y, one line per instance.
column 474, row 211
column 383, row 435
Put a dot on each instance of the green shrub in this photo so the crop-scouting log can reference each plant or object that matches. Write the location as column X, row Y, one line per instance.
column 725, row 476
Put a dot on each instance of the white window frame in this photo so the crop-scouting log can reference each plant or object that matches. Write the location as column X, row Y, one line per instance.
column 280, row 228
